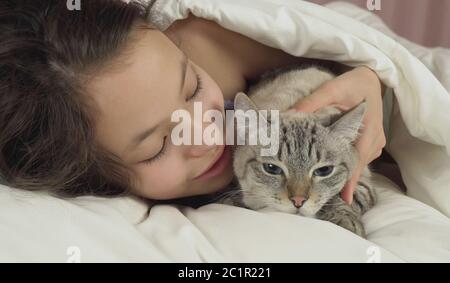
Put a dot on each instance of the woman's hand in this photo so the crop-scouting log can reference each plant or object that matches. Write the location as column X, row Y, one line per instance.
column 345, row 92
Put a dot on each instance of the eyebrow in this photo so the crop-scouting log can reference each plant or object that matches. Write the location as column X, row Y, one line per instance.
column 145, row 134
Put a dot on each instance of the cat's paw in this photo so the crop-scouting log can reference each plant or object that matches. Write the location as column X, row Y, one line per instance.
column 352, row 224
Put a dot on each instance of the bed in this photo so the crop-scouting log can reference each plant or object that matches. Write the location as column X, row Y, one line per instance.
column 411, row 227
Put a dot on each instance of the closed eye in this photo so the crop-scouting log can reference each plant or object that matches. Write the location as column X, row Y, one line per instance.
column 161, row 152
column 158, row 155
column 199, row 87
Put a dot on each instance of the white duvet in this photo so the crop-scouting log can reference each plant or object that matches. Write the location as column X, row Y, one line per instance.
column 416, row 227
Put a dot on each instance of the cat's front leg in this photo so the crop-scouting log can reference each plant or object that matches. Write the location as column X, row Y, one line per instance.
column 341, row 214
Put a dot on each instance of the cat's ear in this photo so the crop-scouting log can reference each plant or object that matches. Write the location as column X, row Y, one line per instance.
column 256, row 121
column 349, row 124
column 244, row 103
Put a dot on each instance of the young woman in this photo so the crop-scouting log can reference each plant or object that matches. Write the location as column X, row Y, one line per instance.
column 86, row 99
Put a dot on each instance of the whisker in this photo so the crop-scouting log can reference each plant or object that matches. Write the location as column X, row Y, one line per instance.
column 228, row 194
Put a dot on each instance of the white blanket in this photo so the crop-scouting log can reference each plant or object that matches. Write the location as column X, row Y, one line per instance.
column 37, row 227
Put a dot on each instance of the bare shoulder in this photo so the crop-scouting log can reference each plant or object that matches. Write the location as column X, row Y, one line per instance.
column 229, row 57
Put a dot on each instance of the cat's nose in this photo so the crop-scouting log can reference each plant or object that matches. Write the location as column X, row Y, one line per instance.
column 298, row 201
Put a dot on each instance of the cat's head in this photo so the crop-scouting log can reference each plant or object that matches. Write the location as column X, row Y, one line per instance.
column 314, row 160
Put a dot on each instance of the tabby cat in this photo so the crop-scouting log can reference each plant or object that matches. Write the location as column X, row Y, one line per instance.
column 315, row 156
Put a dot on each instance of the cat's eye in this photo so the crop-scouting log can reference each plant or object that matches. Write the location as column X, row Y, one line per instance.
column 323, row 171
column 272, row 169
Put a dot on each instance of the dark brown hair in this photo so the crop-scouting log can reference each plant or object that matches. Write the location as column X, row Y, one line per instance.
column 46, row 123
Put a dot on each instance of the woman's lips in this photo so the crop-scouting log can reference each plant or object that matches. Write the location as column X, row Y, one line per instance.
column 217, row 166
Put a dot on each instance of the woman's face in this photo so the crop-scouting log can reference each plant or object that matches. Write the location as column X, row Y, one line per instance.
column 136, row 103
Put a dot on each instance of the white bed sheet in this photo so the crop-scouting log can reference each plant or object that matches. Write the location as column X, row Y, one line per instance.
column 40, row 228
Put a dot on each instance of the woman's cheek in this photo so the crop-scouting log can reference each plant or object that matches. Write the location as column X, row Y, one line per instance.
column 161, row 180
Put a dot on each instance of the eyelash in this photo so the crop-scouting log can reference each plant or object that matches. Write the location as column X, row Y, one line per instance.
column 197, row 91
column 199, row 87
column 159, row 154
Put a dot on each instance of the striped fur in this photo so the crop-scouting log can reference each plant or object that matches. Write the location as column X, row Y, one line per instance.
column 307, row 142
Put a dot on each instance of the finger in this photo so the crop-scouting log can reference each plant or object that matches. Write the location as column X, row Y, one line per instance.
column 347, row 193
column 322, row 97
column 375, row 153
column 382, row 141
column 377, row 148
column 349, row 188
column 368, row 140
column 378, row 154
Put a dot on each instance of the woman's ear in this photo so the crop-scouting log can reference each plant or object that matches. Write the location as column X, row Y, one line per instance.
column 348, row 125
